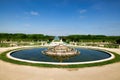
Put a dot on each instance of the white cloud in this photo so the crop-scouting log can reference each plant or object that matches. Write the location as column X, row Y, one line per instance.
column 34, row 13
column 83, row 11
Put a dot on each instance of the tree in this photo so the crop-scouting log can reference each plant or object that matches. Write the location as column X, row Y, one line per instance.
column 118, row 41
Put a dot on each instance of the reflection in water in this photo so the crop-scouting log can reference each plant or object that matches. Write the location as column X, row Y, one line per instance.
column 61, row 58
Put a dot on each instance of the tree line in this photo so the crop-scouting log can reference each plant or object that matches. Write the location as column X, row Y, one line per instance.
column 42, row 37
column 25, row 37
column 91, row 38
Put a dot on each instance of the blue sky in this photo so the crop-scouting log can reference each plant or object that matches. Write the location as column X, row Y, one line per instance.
column 60, row 17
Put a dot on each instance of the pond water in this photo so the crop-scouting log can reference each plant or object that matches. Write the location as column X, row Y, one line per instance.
column 35, row 54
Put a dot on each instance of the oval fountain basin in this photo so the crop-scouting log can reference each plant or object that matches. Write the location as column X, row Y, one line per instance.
column 35, row 54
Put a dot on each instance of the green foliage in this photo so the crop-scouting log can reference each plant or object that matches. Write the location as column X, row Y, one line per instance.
column 111, row 45
column 90, row 38
column 118, row 41
column 24, row 37
column 41, row 37
column 4, row 44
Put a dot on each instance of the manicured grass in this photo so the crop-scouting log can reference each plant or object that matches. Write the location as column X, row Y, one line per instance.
column 4, row 58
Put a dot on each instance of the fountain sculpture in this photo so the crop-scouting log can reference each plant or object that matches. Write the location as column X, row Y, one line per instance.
column 60, row 51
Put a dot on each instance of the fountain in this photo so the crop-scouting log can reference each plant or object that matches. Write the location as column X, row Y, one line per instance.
column 60, row 51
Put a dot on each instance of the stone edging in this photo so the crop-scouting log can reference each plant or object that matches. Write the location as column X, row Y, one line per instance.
column 55, row 63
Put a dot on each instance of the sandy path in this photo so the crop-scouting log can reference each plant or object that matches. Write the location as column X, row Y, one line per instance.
column 9, row 71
